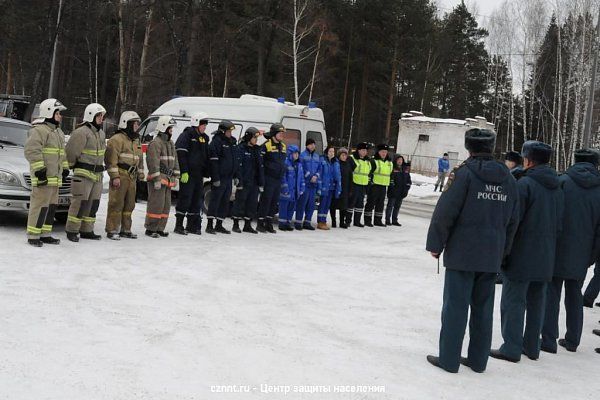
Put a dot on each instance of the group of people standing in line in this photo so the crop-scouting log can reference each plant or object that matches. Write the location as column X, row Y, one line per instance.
column 268, row 179
column 538, row 229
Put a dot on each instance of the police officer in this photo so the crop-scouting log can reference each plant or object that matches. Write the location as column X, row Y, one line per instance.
column 223, row 168
column 529, row 266
column 473, row 224
column 381, row 167
column 45, row 152
column 252, row 181
column 124, row 164
column 192, row 153
column 575, row 249
column 163, row 171
column 274, row 153
column 360, row 165
column 85, row 153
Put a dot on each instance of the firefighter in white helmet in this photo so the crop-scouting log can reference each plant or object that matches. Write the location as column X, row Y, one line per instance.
column 45, row 151
column 125, row 167
column 163, row 171
column 192, row 154
column 85, row 153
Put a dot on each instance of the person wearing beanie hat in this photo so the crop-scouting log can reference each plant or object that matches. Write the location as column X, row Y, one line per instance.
column 312, row 169
column 360, row 164
column 382, row 168
column 252, row 181
column 443, row 168
column 473, row 224
column 342, row 202
column 530, row 265
column 577, row 246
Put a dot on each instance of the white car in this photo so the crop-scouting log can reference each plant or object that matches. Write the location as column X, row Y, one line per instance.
column 15, row 180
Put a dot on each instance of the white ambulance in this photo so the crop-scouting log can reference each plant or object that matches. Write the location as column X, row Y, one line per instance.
column 301, row 121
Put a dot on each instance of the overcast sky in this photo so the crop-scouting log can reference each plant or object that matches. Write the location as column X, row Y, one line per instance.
column 485, row 7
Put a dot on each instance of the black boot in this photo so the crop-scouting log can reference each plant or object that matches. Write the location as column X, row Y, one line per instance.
column 369, row 220
column 248, row 227
column 308, row 226
column 179, row 229
column 219, row 228
column 236, row 226
column 113, row 236
column 269, row 227
column 90, row 236
column 343, row 224
column 152, row 234
column 357, row 223
column 128, row 235
column 194, row 225
column 35, row 242
column 162, row 233
column 209, row 227
column 435, row 188
column 378, row 222
column 73, row 236
column 261, row 227
column 396, row 223
column 50, row 240
column 334, row 221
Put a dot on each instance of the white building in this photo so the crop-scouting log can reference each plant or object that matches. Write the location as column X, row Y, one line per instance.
column 423, row 140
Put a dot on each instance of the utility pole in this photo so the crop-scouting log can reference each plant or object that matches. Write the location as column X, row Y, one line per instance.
column 53, row 64
column 589, row 115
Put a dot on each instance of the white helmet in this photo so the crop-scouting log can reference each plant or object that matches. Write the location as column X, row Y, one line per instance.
column 92, row 110
column 128, row 116
column 164, row 122
column 49, row 106
column 198, row 117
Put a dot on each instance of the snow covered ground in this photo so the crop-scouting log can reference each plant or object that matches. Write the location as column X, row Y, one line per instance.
column 169, row 318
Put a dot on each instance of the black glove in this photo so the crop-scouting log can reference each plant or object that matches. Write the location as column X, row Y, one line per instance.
column 41, row 176
column 65, row 173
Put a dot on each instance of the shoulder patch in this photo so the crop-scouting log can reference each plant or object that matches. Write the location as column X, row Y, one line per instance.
column 452, row 175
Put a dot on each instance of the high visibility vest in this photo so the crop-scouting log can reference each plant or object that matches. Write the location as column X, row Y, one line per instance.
column 360, row 175
column 382, row 173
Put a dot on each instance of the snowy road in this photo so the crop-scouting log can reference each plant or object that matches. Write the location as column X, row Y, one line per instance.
column 168, row 318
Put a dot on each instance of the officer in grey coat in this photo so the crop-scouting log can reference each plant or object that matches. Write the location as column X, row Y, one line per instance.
column 576, row 249
column 473, row 224
column 530, row 265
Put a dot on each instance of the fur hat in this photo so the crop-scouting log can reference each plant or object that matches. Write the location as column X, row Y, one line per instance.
column 480, row 140
column 538, row 152
column 362, row 146
column 513, row 156
column 587, row 155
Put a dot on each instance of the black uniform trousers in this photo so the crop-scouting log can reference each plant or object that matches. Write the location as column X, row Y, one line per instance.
column 218, row 206
column 245, row 205
column 464, row 290
column 573, row 308
column 393, row 209
column 357, row 201
column 375, row 201
column 269, row 199
column 191, row 198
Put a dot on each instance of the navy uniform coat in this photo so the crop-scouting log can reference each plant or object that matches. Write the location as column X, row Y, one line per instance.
column 476, row 217
column 541, row 209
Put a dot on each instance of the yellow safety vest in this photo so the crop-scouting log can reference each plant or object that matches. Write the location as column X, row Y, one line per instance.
column 360, row 175
column 382, row 173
